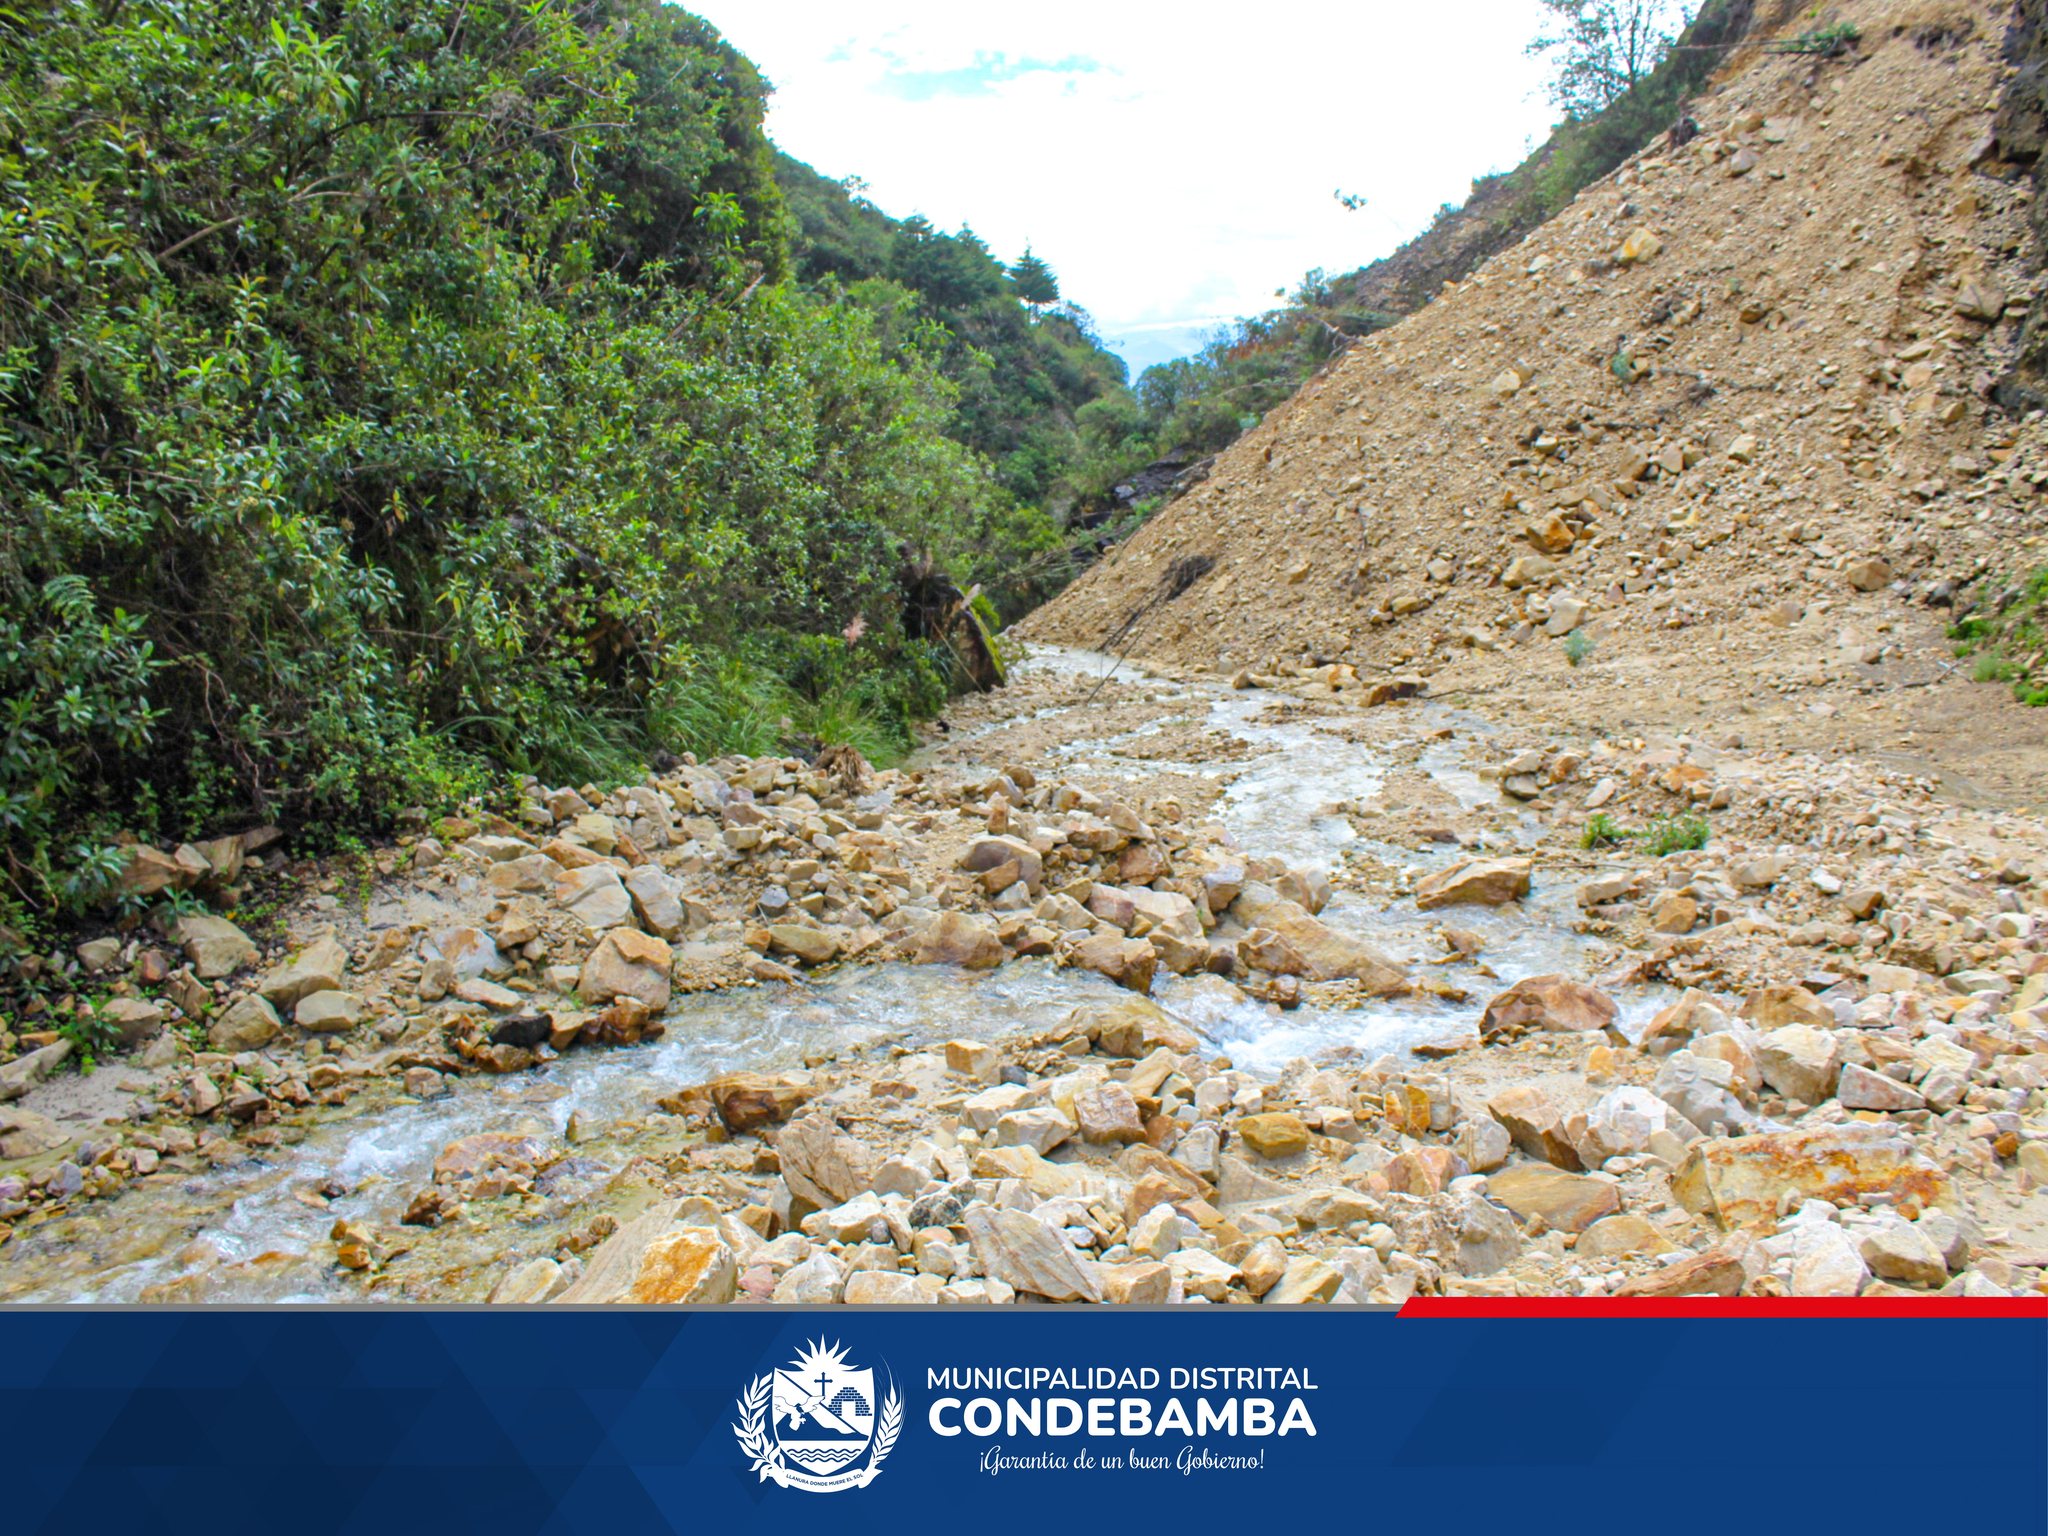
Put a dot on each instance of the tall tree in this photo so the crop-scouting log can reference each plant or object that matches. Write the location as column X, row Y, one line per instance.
column 1034, row 280
column 1601, row 49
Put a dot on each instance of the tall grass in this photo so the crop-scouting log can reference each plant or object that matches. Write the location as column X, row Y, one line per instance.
column 732, row 708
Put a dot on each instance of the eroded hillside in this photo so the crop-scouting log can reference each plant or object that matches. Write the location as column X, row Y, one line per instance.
column 1728, row 417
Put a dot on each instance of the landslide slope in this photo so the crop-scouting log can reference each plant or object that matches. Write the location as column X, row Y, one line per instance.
column 1728, row 414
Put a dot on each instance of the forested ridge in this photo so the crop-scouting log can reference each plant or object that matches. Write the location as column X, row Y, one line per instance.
column 394, row 392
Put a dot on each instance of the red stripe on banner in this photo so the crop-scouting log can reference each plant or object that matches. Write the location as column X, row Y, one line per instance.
column 1725, row 1306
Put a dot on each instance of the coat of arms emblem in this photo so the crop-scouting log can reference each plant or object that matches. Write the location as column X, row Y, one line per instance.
column 817, row 1424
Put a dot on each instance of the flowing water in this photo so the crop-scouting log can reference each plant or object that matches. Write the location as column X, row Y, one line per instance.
column 257, row 1231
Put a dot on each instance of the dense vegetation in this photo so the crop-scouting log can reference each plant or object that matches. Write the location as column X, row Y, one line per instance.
column 393, row 392
column 1035, row 383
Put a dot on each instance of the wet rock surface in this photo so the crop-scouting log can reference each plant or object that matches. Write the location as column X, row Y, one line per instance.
column 474, row 1092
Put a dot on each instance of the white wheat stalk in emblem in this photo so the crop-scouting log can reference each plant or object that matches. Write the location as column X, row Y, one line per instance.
column 752, row 1438
column 888, row 1428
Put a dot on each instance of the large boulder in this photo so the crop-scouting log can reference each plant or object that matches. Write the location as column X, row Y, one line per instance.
column 1861, row 1088
column 1041, row 1128
column 1567, row 1202
column 533, row 875
column 319, row 967
column 1108, row 1115
column 329, row 1012
column 1162, row 911
column 1717, row 1272
column 821, row 1164
column 1800, row 1061
column 249, row 1025
column 1134, row 1027
column 1127, row 962
column 469, row 953
column 746, row 1101
column 151, row 872
column 652, row 1260
column 1695, row 1013
column 1488, row 1239
column 24, row 1133
column 595, row 896
column 1621, row 1122
column 818, row 1281
column 18, row 1076
column 1007, row 859
column 813, row 946
column 627, row 963
column 535, row 1281
column 134, row 1020
column 954, row 938
column 1535, row 1121
column 1774, row 1007
column 1744, row 1179
column 215, row 946
column 1703, row 1090
column 1324, row 954
column 1029, row 1255
column 1273, row 1135
column 1481, row 882
column 1548, row 1003
column 657, row 897
column 1482, row 1143
column 1900, row 1251
column 1305, row 1280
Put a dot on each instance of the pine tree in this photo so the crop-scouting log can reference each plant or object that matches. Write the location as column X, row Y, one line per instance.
column 1034, row 281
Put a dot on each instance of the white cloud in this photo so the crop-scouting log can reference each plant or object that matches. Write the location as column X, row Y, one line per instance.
column 1174, row 164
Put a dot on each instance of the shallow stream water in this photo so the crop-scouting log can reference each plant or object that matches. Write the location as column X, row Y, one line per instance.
column 1282, row 800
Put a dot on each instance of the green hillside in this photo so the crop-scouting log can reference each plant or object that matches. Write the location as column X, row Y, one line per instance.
column 396, row 393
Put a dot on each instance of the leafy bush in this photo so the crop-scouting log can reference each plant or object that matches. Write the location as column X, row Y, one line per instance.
column 395, row 392
column 1578, row 645
column 71, row 681
column 1029, row 374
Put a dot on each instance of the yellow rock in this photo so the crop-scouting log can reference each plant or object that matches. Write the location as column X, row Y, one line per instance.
column 691, row 1264
column 1274, row 1135
column 1642, row 245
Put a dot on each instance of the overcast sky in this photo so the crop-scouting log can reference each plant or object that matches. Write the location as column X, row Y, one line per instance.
column 1175, row 164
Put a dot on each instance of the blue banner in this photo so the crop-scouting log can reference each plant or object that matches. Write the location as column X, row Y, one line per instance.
column 994, row 1420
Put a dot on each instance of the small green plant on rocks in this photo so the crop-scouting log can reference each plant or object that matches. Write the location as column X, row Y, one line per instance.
column 1602, row 831
column 1824, row 41
column 1675, row 834
column 94, row 1036
column 2007, row 635
column 1578, row 645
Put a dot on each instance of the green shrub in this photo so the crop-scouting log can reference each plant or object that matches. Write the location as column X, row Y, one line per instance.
column 2007, row 634
column 1578, row 645
column 393, row 394
column 1602, row 831
column 1675, row 834
column 1826, row 41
